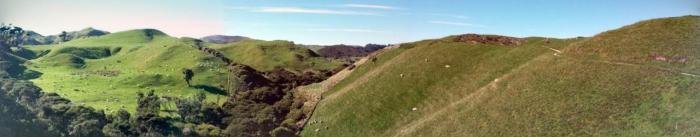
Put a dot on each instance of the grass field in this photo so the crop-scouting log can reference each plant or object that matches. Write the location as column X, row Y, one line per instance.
column 606, row 85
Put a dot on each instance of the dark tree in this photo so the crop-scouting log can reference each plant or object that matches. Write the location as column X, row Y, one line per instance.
column 212, row 114
column 190, row 109
column 63, row 36
column 148, row 103
column 147, row 121
column 119, row 125
column 69, row 119
column 188, row 74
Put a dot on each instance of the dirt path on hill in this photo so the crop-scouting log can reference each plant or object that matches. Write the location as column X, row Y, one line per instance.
column 473, row 99
column 655, row 67
column 477, row 96
column 313, row 93
column 555, row 50
column 363, row 79
column 559, row 53
column 680, row 72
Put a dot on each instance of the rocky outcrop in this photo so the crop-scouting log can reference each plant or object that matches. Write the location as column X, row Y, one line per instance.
column 213, row 52
column 489, row 39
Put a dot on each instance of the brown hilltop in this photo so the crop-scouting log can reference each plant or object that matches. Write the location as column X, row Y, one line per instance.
column 489, row 39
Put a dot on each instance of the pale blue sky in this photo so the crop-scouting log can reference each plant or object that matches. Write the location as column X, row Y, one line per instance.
column 346, row 22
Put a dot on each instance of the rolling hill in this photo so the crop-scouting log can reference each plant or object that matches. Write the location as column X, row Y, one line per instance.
column 638, row 80
column 268, row 55
column 106, row 72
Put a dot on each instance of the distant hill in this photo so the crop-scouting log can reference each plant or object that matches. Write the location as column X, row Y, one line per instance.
column 268, row 55
column 314, row 48
column 223, row 39
column 33, row 38
column 638, row 80
column 87, row 32
column 344, row 51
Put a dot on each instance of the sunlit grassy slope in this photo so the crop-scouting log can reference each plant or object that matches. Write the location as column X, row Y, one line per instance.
column 267, row 55
column 605, row 86
column 106, row 72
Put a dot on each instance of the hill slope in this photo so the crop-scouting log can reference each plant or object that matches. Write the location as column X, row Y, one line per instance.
column 106, row 72
column 268, row 55
column 637, row 80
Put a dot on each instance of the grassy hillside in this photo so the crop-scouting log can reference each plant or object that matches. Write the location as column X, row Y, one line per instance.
column 610, row 85
column 268, row 55
column 106, row 72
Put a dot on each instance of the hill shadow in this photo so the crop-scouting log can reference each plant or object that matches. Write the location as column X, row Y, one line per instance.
column 210, row 89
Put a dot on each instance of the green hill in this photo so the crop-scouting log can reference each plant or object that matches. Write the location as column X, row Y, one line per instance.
column 106, row 72
column 639, row 80
column 268, row 55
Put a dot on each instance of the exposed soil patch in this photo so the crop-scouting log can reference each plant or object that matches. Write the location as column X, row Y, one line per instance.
column 671, row 59
column 212, row 52
column 106, row 73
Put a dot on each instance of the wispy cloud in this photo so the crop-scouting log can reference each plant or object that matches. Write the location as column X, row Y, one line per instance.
column 240, row 8
column 450, row 15
column 312, row 11
column 371, row 6
column 455, row 23
column 345, row 30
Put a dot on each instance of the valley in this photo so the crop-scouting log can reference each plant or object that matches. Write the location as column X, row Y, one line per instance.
column 641, row 79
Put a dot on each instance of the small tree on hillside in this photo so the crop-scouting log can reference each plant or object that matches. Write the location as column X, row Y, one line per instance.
column 188, row 74
column 147, row 121
column 189, row 109
column 63, row 37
